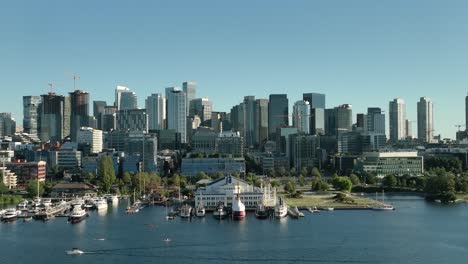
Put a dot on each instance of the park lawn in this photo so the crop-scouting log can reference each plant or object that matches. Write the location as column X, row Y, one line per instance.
column 327, row 200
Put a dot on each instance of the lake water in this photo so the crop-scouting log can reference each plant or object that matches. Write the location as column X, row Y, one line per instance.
column 417, row 232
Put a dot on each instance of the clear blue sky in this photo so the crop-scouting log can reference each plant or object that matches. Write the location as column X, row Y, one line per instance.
column 362, row 52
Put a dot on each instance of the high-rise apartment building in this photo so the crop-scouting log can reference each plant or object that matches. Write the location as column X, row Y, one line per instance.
column 54, row 117
column 7, row 125
column 79, row 117
column 375, row 120
column 278, row 113
column 397, row 117
column 156, row 110
column 301, row 114
column 118, row 92
column 31, row 115
column 425, row 120
column 132, row 120
column 98, row 112
column 128, row 100
column 177, row 111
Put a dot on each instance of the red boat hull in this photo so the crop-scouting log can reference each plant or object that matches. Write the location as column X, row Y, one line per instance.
column 238, row 215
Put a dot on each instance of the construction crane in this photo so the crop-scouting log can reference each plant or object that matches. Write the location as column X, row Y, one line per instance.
column 460, row 126
column 74, row 77
column 51, row 87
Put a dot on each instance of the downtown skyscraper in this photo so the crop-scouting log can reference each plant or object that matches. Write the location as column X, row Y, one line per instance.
column 317, row 112
column 301, row 114
column 156, row 110
column 425, row 120
column 55, row 117
column 278, row 113
column 397, row 119
column 189, row 89
column 176, row 111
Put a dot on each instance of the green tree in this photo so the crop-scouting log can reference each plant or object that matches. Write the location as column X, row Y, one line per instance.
column 316, row 173
column 293, row 172
column 258, row 182
column 354, row 179
column 127, row 178
column 106, row 173
column 441, row 186
column 371, row 179
column 31, row 188
column 290, row 187
column 202, row 175
column 389, row 181
column 304, row 171
column 319, row 185
column 301, row 180
column 342, row 184
column 275, row 183
column 282, row 171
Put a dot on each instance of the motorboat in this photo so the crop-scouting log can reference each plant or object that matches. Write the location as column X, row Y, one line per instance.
column 75, row 251
column 100, row 204
column 10, row 215
column 77, row 202
column 281, row 209
column 77, row 215
column 186, row 211
column 220, row 211
column 167, row 240
column 261, row 212
column 23, row 205
column 46, row 202
column 112, row 198
column 238, row 208
column 37, row 202
column 200, row 211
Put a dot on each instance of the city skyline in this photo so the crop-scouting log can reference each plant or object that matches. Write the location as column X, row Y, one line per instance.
column 405, row 52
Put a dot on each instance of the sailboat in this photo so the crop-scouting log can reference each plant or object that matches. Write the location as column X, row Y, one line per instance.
column 382, row 206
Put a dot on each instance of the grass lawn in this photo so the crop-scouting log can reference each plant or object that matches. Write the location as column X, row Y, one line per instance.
column 327, row 200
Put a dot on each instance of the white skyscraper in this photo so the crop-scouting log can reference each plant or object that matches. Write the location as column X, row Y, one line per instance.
column 301, row 116
column 397, row 117
column 156, row 111
column 118, row 95
column 177, row 111
column 425, row 120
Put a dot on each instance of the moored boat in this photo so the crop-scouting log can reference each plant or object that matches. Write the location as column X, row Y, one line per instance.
column 200, row 211
column 10, row 215
column 77, row 215
column 238, row 208
column 261, row 212
column 281, row 209
column 185, row 211
column 220, row 211
column 101, row 204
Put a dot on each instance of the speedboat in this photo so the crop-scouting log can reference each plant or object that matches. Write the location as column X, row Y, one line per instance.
column 10, row 215
column 261, row 212
column 167, row 240
column 281, row 209
column 75, row 251
column 77, row 215
column 100, row 204
column 220, row 212
column 186, row 211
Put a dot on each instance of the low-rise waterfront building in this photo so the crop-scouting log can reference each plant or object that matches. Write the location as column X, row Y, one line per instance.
column 28, row 171
column 222, row 190
column 9, row 178
column 392, row 163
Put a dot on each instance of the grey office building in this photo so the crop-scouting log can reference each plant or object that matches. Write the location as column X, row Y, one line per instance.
column 261, row 121
column 278, row 114
column 55, row 117
column 189, row 89
column 98, row 112
column 176, row 111
column 79, row 103
column 132, row 120
column 249, row 120
column 317, row 112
